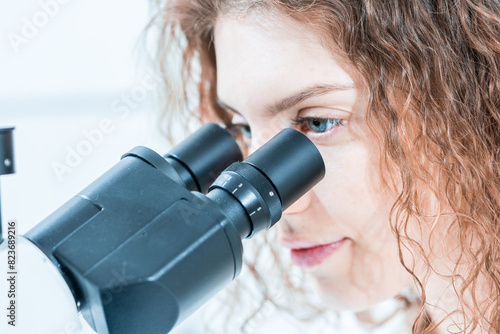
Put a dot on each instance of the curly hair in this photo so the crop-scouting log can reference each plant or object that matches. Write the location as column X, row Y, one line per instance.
column 432, row 71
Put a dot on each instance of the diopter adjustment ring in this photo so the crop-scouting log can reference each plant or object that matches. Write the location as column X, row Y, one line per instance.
column 255, row 193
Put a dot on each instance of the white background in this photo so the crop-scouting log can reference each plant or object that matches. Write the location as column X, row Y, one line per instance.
column 58, row 85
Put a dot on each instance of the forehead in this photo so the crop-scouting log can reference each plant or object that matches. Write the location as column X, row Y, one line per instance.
column 270, row 57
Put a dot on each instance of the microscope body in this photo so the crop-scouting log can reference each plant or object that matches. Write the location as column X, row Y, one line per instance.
column 153, row 238
column 129, row 246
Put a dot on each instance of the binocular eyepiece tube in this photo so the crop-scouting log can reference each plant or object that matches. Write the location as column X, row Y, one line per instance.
column 266, row 183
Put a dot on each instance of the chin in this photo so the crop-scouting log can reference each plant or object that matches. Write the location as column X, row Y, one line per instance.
column 348, row 298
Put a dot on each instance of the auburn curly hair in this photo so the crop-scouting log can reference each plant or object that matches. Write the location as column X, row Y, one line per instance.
column 432, row 71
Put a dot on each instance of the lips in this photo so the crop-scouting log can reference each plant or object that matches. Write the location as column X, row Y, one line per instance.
column 306, row 254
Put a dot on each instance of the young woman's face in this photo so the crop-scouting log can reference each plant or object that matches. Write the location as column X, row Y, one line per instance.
column 273, row 74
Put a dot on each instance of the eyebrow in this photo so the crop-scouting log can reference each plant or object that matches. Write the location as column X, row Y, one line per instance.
column 298, row 97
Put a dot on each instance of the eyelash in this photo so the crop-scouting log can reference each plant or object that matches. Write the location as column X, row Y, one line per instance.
column 305, row 121
column 236, row 129
column 299, row 122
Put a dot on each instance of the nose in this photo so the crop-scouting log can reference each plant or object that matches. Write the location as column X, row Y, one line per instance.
column 256, row 143
column 303, row 202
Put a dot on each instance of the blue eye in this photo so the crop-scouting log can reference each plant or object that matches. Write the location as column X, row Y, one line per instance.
column 246, row 131
column 318, row 125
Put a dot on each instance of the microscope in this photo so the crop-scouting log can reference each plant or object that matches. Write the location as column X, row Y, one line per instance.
column 155, row 237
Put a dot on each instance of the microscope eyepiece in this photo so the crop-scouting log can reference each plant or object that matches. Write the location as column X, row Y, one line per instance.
column 201, row 157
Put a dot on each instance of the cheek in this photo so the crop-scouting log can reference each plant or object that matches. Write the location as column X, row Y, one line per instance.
column 351, row 190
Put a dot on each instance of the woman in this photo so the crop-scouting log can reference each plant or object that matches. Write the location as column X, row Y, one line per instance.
column 402, row 100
